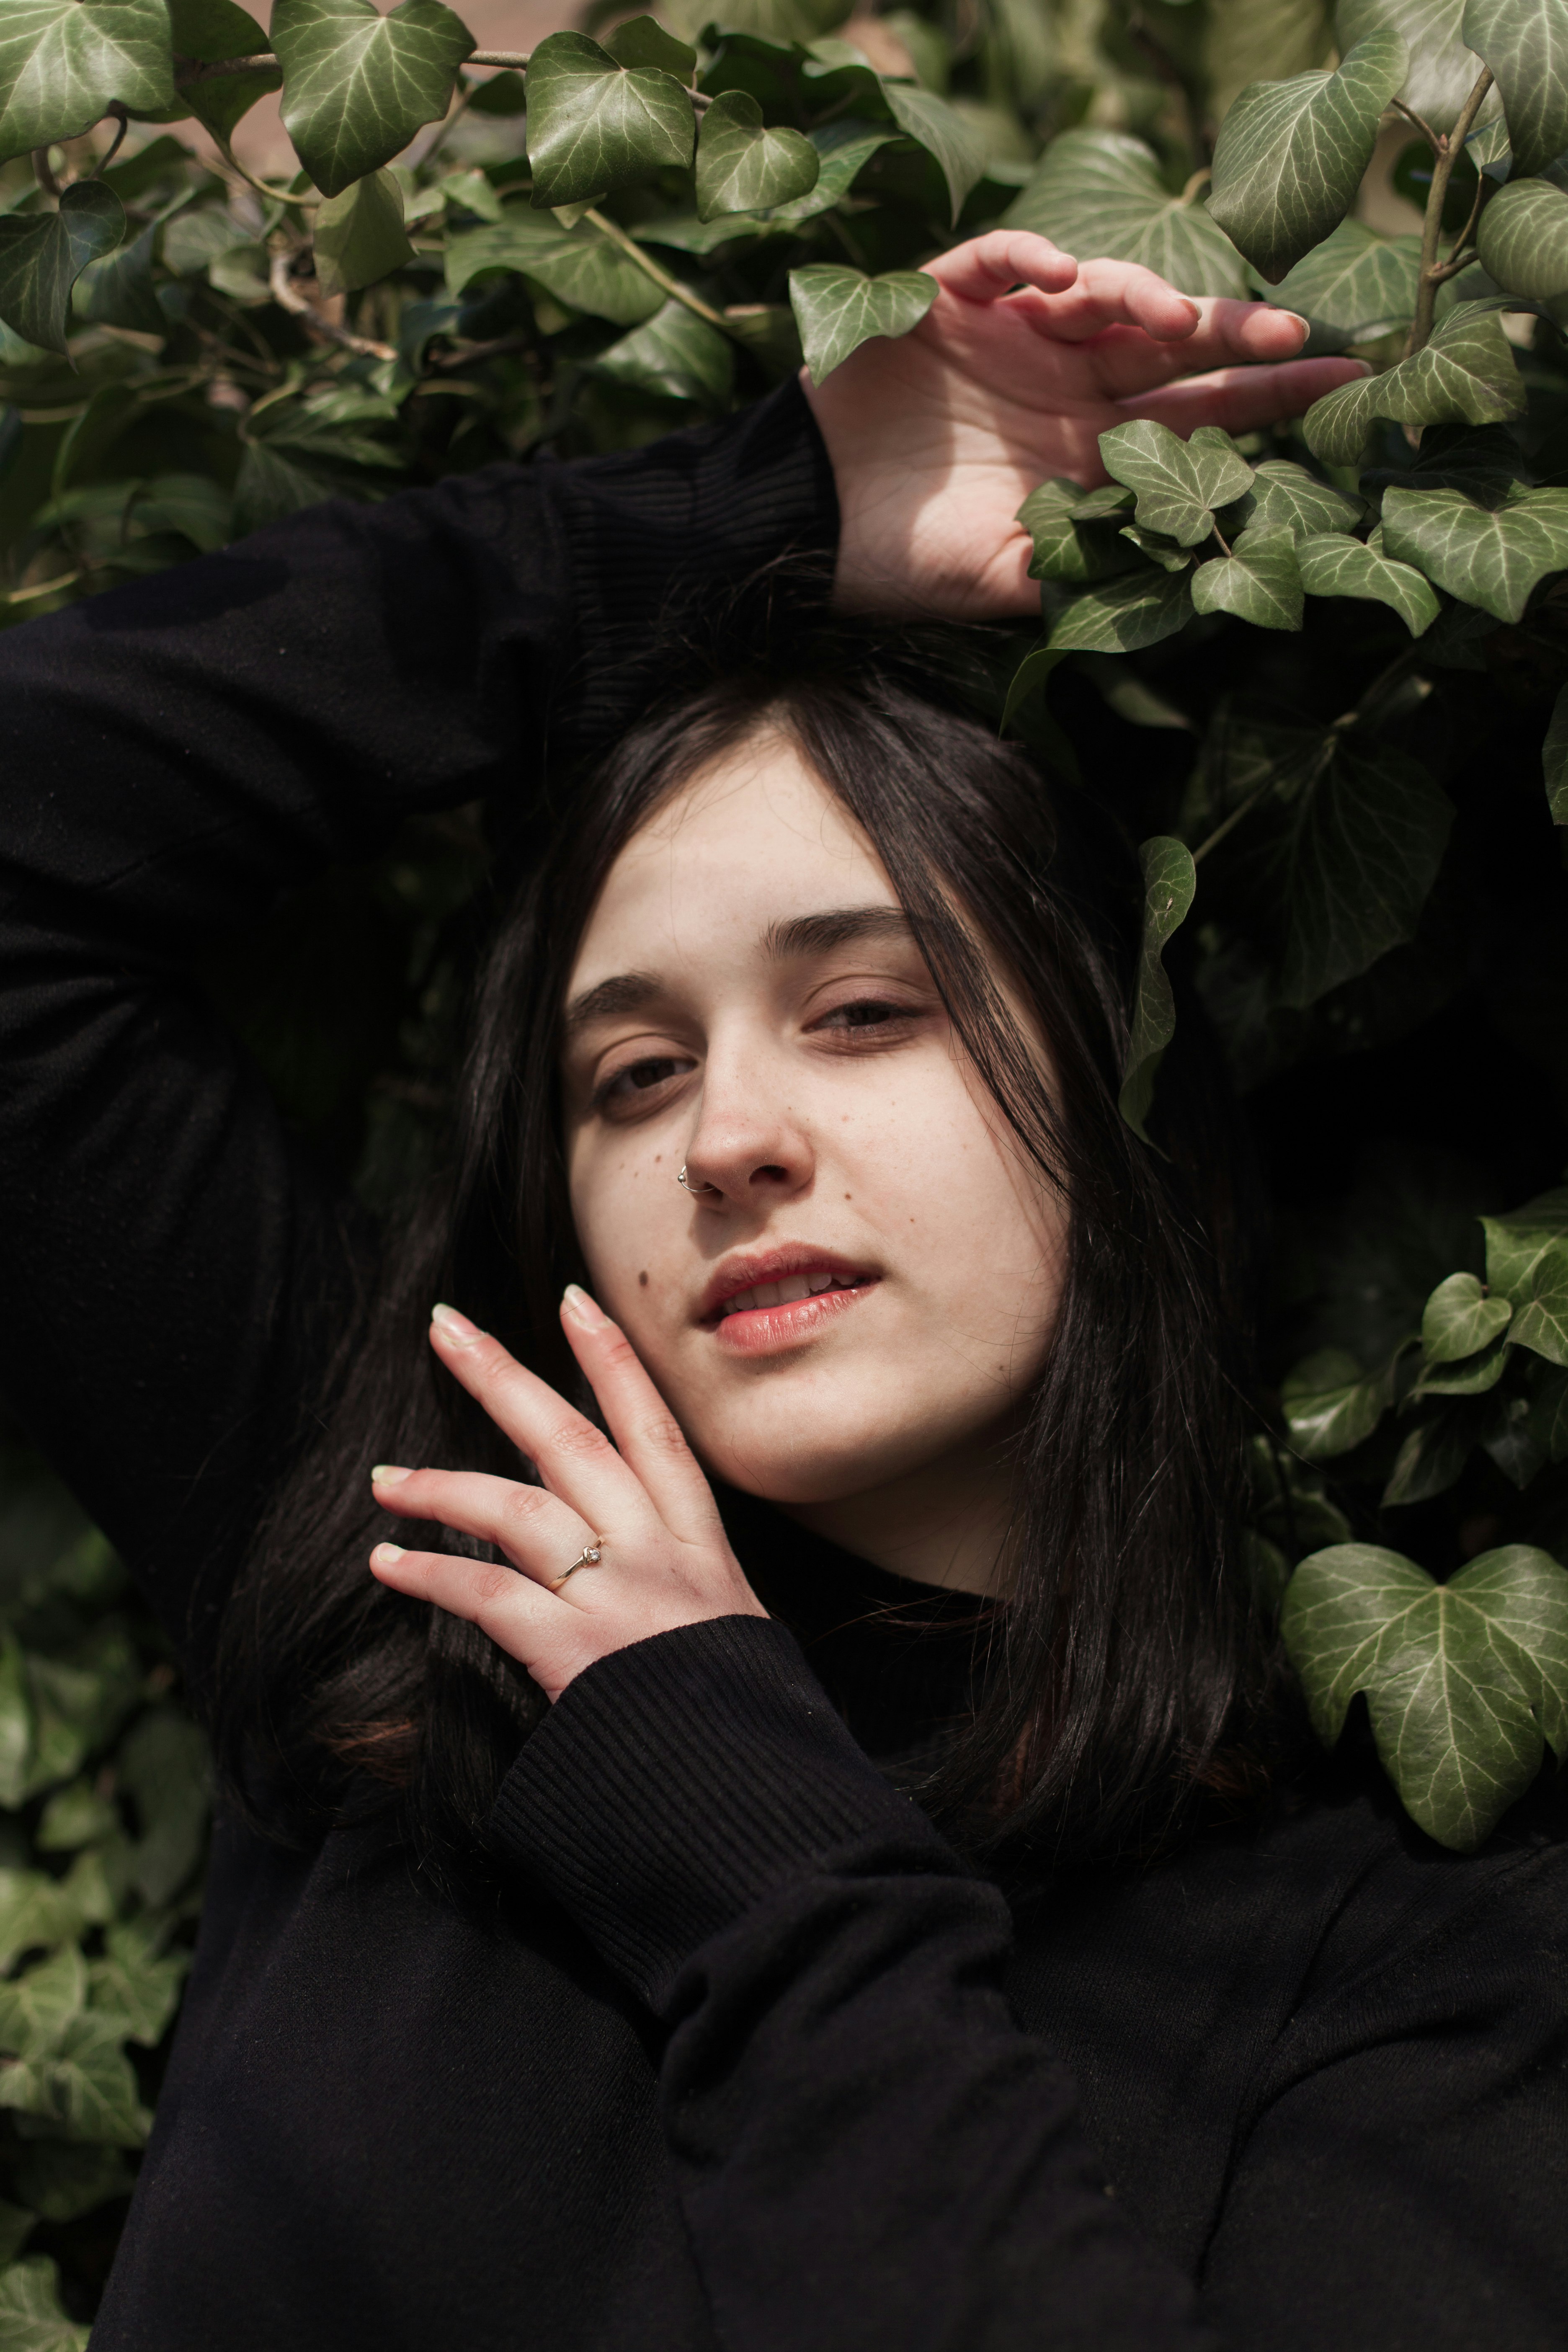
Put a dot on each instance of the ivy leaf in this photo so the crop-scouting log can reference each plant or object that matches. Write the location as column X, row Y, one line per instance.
column 358, row 85
column 1523, row 238
column 1332, row 1405
column 1489, row 556
column 1443, row 71
column 1509, row 1436
column 1028, row 678
column 1101, row 192
column 32, row 2317
column 163, row 1764
column 1291, row 154
column 36, row 2008
column 1471, row 1377
column 360, row 234
column 1356, row 282
column 579, row 266
column 1139, row 609
column 595, row 125
column 1259, row 581
column 1555, row 759
column 119, row 291
column 213, row 31
column 1157, row 548
column 42, row 255
column 844, row 148
column 944, row 134
column 1068, row 547
column 1465, row 373
column 15, row 1723
column 1285, row 496
column 62, row 62
column 1540, row 1314
column 1460, row 1318
column 677, row 354
column 135, row 1985
column 221, row 104
column 741, row 167
column 837, row 309
column 1344, row 567
column 1549, row 1416
column 1525, row 42
column 1170, row 881
column 1179, row 483
column 1517, row 1242
column 643, row 41
column 1433, row 1456
column 85, row 2090
column 1465, row 1683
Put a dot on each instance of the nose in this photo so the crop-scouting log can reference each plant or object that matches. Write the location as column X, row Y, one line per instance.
column 749, row 1147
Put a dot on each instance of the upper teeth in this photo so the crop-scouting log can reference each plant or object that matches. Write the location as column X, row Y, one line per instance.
column 784, row 1293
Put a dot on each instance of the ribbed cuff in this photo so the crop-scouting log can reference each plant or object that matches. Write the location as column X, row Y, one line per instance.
column 676, row 1782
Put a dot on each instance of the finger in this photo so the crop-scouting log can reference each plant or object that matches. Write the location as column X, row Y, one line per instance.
column 511, row 1610
column 650, row 1439
column 1240, row 399
column 575, row 1460
column 1112, row 294
column 983, row 268
column 1128, row 361
column 540, row 1534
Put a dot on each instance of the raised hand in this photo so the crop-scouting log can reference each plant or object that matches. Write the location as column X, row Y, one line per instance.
column 641, row 1502
column 1025, row 358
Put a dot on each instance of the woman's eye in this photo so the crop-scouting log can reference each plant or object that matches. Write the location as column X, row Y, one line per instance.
column 866, row 1013
column 621, row 1089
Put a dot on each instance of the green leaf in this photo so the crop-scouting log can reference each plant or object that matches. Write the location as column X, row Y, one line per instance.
column 1549, row 1416
column 42, row 255
column 741, row 167
column 1028, row 678
column 63, row 62
column 163, row 1764
column 579, row 266
column 1170, row 881
column 595, row 125
column 1517, row 1242
column 1179, row 483
column 844, row 149
column 1443, row 71
column 76, row 1816
column 360, row 234
column 1137, row 610
column 1291, row 154
column 1357, row 283
column 1066, row 548
column 1509, row 1434
column 1489, row 556
column 1523, row 238
column 118, row 291
column 1432, row 1457
column 213, row 31
column 1525, row 42
column 61, row 2182
column 135, row 1985
column 221, row 104
column 677, row 354
column 1465, row 1681
column 358, row 85
column 1099, row 191
column 1540, row 1314
column 1555, row 759
column 1344, row 567
column 643, row 41
column 1332, row 1405
column 87, row 2091
column 89, row 438
column 1465, row 373
column 1259, row 581
column 1460, row 1318
column 1158, row 550
column 837, row 309
column 36, row 2008
column 1471, row 1377
column 32, row 2317
column 15, row 1723
column 1285, row 496
column 943, row 132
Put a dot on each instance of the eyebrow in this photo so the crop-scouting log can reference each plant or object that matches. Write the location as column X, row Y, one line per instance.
column 802, row 935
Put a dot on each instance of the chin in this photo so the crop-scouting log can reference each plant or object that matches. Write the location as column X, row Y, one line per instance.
column 824, row 1465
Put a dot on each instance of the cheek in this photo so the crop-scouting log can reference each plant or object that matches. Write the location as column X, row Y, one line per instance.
column 632, row 1220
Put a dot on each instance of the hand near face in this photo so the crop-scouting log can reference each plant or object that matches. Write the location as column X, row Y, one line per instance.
column 665, row 1559
column 1025, row 358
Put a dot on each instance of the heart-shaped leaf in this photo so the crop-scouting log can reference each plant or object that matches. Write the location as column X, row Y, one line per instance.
column 1158, row 550
column 1465, row 374
column 1291, row 154
column 1101, row 192
column 1523, row 238
column 742, row 168
column 1065, row 547
column 1332, row 1405
column 595, row 125
column 943, row 132
column 1179, row 483
column 579, row 266
column 1285, row 496
column 1541, row 1307
column 1137, row 610
column 1465, row 1683
column 1259, row 581
column 1460, row 1318
column 358, row 85
column 1489, row 556
column 1337, row 566
column 1525, row 42
column 360, row 234
column 643, row 41
column 677, row 354
column 1170, row 882
column 63, row 62
column 1355, row 283
column 1555, row 759
column 42, row 255
column 844, row 149
column 837, row 309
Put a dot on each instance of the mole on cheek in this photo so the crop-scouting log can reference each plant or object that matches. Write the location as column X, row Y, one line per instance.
column 642, row 1281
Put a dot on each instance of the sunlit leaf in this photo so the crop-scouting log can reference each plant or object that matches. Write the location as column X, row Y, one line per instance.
column 1178, row 483
column 1170, row 880
column 360, row 236
column 1118, row 617
column 1259, row 581
column 42, row 255
column 1291, row 154
column 63, row 61
column 1525, row 42
column 358, row 85
column 1460, row 1318
column 1356, row 282
column 943, row 132
column 1285, row 496
column 837, row 309
column 595, row 125
column 1332, row 1404
column 1523, row 238
column 741, row 167
column 1099, row 191
column 1337, row 566
column 1466, row 373
column 1489, row 556
column 675, row 353
column 579, row 266
column 1465, row 1683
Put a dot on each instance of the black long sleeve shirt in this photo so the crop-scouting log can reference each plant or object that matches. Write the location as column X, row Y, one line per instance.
column 750, row 2061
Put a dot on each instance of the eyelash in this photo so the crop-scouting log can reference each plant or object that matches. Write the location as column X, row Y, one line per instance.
column 609, row 1092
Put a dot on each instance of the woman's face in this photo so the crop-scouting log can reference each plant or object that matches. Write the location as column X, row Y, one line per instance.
column 857, row 1306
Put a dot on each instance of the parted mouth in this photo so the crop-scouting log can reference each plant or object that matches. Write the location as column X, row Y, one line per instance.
column 779, row 1277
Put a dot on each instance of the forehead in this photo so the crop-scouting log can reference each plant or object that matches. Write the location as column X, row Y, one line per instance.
column 751, row 843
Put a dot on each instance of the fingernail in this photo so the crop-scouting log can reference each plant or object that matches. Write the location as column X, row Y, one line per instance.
column 387, row 1473
column 385, row 1555
column 454, row 1326
column 582, row 1308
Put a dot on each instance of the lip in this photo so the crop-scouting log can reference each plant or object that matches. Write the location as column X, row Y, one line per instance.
column 751, row 1330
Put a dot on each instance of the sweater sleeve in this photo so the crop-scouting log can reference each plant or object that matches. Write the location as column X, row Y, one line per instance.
column 870, row 2152
column 175, row 753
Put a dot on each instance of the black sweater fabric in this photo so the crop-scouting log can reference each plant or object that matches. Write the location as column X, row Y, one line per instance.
column 750, row 2061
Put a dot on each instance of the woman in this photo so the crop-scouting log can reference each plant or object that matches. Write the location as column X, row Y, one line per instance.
column 570, row 1974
